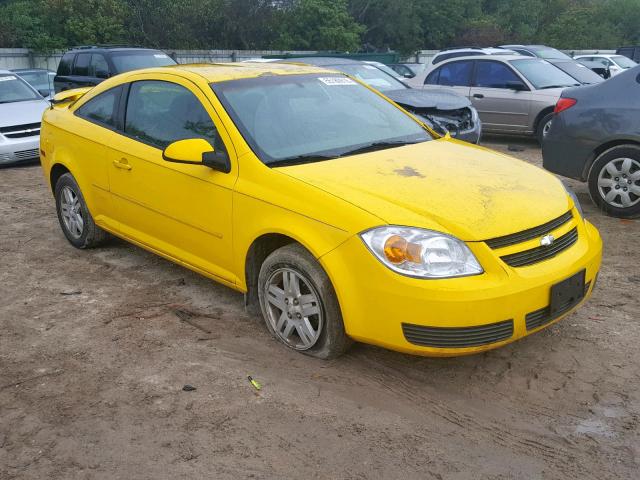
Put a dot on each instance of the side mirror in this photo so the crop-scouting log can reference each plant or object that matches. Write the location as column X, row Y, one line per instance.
column 517, row 86
column 408, row 75
column 44, row 92
column 197, row 151
column 102, row 74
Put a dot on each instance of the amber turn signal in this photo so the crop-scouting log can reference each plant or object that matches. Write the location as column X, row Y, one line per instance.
column 398, row 250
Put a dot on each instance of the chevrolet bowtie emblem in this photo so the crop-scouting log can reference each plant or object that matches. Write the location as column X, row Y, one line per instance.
column 547, row 240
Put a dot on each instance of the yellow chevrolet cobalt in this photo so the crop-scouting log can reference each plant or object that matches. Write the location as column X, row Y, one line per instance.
column 339, row 215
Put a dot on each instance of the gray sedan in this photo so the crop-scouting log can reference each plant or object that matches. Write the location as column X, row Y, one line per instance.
column 512, row 93
column 595, row 137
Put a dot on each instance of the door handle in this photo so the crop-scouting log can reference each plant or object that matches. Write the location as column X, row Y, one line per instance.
column 123, row 163
column 478, row 95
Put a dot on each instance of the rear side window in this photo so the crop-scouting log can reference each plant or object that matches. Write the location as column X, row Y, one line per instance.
column 494, row 75
column 456, row 74
column 160, row 113
column 432, row 78
column 64, row 68
column 98, row 66
column 81, row 67
column 102, row 109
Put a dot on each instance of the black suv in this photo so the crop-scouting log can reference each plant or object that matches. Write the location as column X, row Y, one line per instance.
column 88, row 66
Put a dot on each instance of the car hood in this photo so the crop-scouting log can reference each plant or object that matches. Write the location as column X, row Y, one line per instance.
column 433, row 98
column 445, row 185
column 20, row 113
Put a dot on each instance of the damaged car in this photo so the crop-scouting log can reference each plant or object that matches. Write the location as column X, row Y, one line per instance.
column 442, row 110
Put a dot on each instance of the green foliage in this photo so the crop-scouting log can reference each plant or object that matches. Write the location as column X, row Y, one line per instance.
column 405, row 26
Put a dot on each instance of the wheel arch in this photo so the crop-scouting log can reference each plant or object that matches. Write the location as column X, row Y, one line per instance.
column 620, row 142
column 57, row 170
column 541, row 115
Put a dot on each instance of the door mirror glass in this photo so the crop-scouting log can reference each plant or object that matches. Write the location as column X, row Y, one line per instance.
column 197, row 151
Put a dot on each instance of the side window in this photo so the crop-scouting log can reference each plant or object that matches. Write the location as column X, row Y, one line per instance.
column 160, row 113
column 494, row 75
column 81, row 67
column 432, row 78
column 98, row 66
column 456, row 74
column 64, row 68
column 102, row 109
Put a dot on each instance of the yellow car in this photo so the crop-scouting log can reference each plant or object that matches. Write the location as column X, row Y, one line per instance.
column 338, row 214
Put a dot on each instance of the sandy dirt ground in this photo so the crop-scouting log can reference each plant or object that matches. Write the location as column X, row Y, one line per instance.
column 93, row 359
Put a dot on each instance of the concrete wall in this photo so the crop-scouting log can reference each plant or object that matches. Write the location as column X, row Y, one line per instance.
column 24, row 58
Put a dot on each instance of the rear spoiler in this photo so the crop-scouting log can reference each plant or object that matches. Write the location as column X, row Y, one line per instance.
column 69, row 95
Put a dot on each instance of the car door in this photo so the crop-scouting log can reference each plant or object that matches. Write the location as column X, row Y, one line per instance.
column 80, row 75
column 179, row 210
column 454, row 76
column 501, row 96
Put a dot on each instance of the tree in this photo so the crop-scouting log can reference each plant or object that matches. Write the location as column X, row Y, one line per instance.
column 319, row 25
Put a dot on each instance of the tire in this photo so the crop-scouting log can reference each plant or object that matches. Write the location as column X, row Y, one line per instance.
column 612, row 172
column 291, row 314
column 543, row 127
column 81, row 234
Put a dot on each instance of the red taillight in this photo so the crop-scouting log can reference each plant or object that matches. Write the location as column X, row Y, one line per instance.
column 564, row 103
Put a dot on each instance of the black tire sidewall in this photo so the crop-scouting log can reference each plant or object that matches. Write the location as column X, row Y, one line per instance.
column 83, row 241
column 627, row 151
column 333, row 340
column 540, row 133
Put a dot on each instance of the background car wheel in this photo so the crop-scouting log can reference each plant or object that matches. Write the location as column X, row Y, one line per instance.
column 614, row 181
column 76, row 221
column 544, row 126
column 299, row 304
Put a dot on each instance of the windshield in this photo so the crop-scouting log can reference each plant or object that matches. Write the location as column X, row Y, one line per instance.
column 134, row 60
column 307, row 118
column 580, row 72
column 38, row 80
column 541, row 74
column 372, row 76
column 13, row 89
column 624, row 62
column 550, row 53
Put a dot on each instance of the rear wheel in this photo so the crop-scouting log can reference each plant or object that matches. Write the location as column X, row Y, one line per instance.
column 299, row 304
column 76, row 221
column 614, row 181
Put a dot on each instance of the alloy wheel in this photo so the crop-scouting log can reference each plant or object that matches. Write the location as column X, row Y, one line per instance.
column 71, row 212
column 619, row 182
column 293, row 308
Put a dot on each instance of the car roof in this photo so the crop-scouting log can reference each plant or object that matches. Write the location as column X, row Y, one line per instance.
column 110, row 48
column 500, row 58
column 324, row 61
column 221, row 72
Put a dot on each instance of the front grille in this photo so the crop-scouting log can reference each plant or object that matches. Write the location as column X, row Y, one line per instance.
column 525, row 235
column 538, row 254
column 457, row 337
column 543, row 316
column 21, row 131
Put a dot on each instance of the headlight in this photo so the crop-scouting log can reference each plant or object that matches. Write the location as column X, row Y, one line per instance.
column 421, row 253
column 573, row 195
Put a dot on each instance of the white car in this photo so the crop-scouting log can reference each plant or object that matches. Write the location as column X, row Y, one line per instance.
column 616, row 63
column 21, row 108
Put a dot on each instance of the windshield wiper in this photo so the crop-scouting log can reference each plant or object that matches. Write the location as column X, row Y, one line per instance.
column 559, row 86
column 300, row 159
column 372, row 147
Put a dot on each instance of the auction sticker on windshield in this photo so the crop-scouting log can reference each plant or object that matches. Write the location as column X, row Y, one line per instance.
column 337, row 81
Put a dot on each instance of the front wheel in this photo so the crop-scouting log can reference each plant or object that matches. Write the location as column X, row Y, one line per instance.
column 614, row 181
column 544, row 126
column 299, row 304
column 75, row 220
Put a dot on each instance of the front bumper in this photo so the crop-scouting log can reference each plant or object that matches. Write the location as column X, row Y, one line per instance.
column 377, row 304
column 19, row 149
